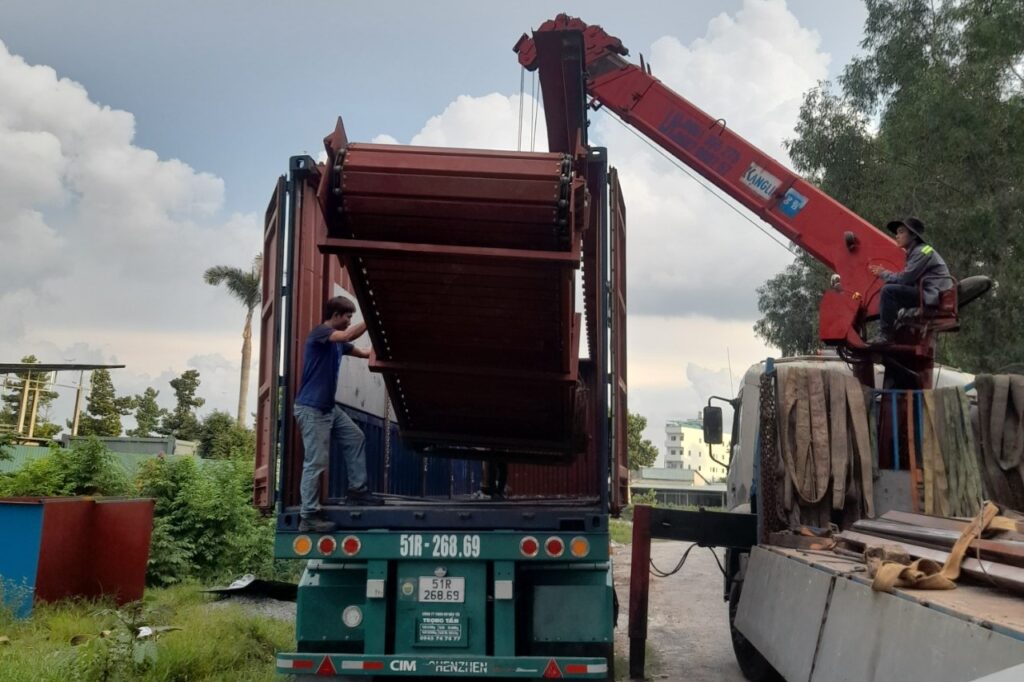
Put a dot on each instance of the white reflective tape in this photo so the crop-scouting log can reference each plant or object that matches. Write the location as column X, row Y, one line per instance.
column 597, row 668
column 351, row 665
column 285, row 663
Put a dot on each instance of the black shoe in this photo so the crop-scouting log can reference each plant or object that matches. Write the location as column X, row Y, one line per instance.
column 363, row 498
column 316, row 524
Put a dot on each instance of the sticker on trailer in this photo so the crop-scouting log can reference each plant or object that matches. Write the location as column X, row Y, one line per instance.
column 760, row 181
column 792, row 203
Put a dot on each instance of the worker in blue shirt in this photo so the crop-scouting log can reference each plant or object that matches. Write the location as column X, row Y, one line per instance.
column 922, row 280
column 321, row 421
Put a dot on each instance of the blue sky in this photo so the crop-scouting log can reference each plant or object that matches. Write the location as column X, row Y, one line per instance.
column 235, row 87
column 139, row 142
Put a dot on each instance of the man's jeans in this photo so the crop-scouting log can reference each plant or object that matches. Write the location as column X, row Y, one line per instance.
column 321, row 430
column 894, row 297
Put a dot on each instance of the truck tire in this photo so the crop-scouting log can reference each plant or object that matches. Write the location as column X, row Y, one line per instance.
column 754, row 666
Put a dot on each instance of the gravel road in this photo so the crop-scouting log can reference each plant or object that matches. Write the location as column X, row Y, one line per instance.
column 688, row 622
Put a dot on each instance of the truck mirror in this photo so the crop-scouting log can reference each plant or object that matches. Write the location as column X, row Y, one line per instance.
column 713, row 425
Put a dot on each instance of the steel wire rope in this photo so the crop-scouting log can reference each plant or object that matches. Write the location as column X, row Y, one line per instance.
column 522, row 90
column 538, row 94
column 659, row 573
column 696, row 179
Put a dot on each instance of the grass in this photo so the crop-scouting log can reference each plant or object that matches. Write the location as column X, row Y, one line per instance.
column 620, row 531
column 213, row 644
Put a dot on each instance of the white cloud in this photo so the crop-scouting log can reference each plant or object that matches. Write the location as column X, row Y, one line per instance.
column 103, row 243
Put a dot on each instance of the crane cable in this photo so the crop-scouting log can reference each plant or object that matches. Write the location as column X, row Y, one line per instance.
column 695, row 178
column 522, row 88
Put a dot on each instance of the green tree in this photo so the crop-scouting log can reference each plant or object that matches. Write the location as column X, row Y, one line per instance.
column 12, row 398
column 182, row 422
column 147, row 414
column 789, row 302
column 642, row 452
column 103, row 407
column 929, row 121
column 221, row 437
column 245, row 286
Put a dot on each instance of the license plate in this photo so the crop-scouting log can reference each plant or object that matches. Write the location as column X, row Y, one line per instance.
column 442, row 589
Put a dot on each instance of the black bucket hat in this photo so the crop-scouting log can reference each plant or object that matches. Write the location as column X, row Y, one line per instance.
column 911, row 223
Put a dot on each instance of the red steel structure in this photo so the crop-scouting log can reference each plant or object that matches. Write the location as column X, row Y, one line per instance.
column 465, row 261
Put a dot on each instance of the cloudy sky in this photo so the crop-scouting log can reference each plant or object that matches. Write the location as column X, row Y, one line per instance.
column 139, row 142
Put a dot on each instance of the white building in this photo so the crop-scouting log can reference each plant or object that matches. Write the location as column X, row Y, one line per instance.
column 685, row 449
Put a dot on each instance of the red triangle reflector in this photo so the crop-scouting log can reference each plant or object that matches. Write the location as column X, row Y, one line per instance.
column 552, row 672
column 326, row 667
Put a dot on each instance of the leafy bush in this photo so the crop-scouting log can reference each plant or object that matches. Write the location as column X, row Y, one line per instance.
column 205, row 526
column 86, row 469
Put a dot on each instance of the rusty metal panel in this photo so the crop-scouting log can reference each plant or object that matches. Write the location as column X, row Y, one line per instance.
column 312, row 279
column 264, row 474
column 620, row 409
column 463, row 262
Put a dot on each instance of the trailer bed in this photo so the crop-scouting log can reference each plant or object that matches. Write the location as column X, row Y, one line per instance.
column 813, row 615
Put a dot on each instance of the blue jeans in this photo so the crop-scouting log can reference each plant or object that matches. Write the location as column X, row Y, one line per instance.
column 320, row 431
column 894, row 297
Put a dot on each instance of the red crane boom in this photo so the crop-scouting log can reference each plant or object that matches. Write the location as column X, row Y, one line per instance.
column 806, row 215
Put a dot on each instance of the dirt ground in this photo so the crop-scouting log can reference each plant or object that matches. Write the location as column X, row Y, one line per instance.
column 688, row 622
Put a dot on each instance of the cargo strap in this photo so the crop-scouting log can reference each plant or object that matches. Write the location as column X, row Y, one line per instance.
column 890, row 572
column 1001, row 424
column 824, row 442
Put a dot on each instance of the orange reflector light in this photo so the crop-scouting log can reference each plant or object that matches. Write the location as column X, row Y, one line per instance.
column 326, row 545
column 579, row 547
column 554, row 547
column 529, row 546
column 302, row 545
column 351, row 545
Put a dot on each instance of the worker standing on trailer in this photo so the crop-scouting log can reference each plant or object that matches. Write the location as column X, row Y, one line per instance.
column 321, row 421
column 921, row 282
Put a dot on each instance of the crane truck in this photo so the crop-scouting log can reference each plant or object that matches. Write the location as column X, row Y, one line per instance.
column 440, row 248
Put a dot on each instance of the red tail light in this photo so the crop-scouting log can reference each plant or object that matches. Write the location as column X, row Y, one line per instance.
column 529, row 546
column 554, row 547
column 351, row 545
column 326, row 545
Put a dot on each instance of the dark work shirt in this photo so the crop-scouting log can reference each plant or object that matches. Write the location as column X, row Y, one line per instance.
column 924, row 265
column 321, row 361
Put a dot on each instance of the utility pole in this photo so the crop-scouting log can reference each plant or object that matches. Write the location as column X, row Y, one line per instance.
column 78, row 403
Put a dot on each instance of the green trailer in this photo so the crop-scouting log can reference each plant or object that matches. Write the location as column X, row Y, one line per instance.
column 436, row 581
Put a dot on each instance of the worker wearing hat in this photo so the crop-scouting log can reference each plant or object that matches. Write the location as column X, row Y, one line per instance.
column 921, row 282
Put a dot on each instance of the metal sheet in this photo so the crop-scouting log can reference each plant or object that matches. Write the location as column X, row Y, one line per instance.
column 780, row 611
column 620, row 381
column 875, row 637
column 264, row 478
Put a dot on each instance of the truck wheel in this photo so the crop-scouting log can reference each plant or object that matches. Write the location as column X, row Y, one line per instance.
column 754, row 666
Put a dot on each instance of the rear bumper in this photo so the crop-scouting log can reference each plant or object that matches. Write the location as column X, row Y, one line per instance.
column 522, row 667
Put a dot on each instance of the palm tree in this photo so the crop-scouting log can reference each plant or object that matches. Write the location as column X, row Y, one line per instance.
column 244, row 285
